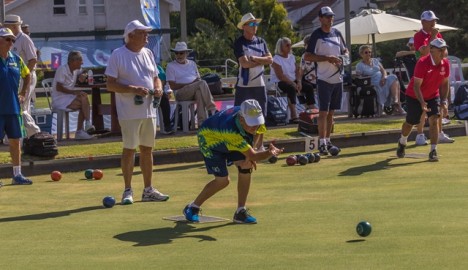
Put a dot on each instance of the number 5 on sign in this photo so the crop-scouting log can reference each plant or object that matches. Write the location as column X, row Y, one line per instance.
column 311, row 144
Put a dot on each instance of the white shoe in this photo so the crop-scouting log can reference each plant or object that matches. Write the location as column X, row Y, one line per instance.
column 445, row 121
column 127, row 197
column 444, row 138
column 153, row 196
column 89, row 128
column 82, row 135
column 421, row 139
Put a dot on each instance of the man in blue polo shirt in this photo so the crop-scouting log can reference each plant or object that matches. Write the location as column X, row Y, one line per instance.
column 12, row 68
column 325, row 46
column 228, row 136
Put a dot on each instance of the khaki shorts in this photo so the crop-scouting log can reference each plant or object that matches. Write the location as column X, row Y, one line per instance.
column 137, row 132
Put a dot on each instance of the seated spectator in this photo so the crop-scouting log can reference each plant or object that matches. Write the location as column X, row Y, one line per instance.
column 309, row 79
column 184, row 79
column 387, row 87
column 165, row 104
column 286, row 74
column 64, row 97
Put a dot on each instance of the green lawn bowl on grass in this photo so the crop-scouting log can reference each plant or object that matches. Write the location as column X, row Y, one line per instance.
column 89, row 174
column 364, row 228
column 306, row 217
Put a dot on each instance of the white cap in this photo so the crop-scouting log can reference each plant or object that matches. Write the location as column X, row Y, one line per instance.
column 135, row 25
column 252, row 113
column 439, row 43
column 12, row 19
column 6, row 32
column 249, row 17
column 326, row 11
column 181, row 47
column 410, row 41
column 428, row 15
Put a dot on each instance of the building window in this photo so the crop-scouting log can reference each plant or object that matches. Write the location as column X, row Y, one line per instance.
column 99, row 7
column 82, row 7
column 59, row 7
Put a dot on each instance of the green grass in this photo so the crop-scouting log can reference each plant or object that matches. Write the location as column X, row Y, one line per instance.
column 172, row 142
column 307, row 217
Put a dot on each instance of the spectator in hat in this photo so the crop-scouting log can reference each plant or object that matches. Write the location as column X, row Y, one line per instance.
column 326, row 44
column 25, row 48
column 427, row 92
column 253, row 55
column 12, row 68
column 225, row 137
column 422, row 40
column 184, row 79
column 131, row 72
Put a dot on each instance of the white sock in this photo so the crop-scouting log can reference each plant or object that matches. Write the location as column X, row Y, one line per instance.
column 433, row 147
column 323, row 141
column 194, row 205
column 148, row 189
column 240, row 209
column 404, row 140
column 327, row 140
column 16, row 170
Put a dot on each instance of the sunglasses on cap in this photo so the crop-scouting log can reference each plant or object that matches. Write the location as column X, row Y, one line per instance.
column 252, row 24
column 9, row 39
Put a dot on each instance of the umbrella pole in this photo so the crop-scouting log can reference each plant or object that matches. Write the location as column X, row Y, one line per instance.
column 374, row 48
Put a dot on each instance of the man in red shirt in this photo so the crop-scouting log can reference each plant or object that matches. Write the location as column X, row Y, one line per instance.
column 428, row 33
column 423, row 95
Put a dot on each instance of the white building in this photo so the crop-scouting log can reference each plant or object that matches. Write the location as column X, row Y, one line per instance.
column 74, row 17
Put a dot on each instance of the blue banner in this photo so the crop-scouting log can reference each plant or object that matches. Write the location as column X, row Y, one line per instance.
column 150, row 11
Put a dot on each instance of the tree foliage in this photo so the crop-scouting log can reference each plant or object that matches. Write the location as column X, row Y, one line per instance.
column 212, row 26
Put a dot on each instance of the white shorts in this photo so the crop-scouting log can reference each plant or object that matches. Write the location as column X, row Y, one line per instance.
column 137, row 132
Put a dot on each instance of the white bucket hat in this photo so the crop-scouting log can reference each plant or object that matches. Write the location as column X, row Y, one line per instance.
column 181, row 47
column 252, row 113
column 249, row 17
column 12, row 19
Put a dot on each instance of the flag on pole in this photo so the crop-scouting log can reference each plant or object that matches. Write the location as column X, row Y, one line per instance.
column 150, row 11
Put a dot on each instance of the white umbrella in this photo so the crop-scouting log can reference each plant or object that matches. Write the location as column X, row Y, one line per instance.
column 373, row 26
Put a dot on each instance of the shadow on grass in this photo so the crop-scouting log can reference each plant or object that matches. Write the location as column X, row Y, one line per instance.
column 50, row 214
column 355, row 241
column 380, row 165
column 168, row 234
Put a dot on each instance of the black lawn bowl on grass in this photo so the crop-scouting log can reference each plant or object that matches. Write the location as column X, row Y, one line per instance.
column 306, row 215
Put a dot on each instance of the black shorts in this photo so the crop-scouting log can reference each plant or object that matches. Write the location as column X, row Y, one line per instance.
column 414, row 110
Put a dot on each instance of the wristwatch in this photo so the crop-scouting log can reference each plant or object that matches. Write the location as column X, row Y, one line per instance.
column 443, row 102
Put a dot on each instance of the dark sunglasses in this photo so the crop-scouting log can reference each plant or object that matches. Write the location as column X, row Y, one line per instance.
column 367, row 52
column 252, row 24
column 9, row 39
column 179, row 53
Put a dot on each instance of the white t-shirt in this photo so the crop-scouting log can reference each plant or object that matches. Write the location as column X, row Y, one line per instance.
column 182, row 73
column 64, row 76
column 24, row 47
column 288, row 65
column 133, row 68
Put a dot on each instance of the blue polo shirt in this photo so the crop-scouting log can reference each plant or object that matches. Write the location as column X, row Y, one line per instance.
column 12, row 69
column 223, row 133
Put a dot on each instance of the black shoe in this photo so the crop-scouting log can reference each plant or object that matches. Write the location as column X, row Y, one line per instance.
column 168, row 131
column 433, row 155
column 323, row 150
column 400, row 152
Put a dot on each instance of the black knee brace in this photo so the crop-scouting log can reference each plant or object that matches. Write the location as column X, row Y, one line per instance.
column 244, row 171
